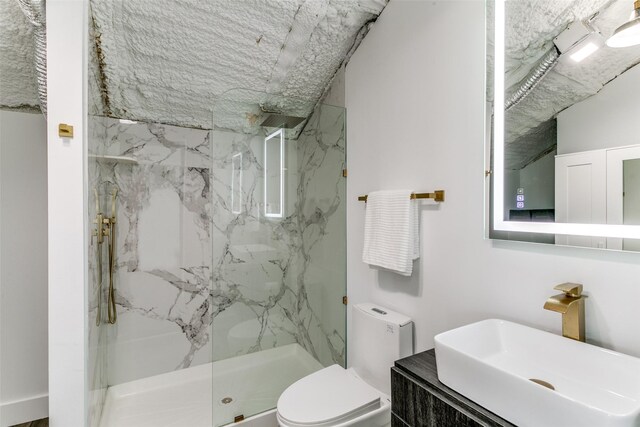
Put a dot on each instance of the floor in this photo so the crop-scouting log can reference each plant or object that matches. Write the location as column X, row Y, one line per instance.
column 38, row 423
column 240, row 386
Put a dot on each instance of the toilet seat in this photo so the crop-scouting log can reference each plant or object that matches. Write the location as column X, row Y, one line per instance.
column 330, row 397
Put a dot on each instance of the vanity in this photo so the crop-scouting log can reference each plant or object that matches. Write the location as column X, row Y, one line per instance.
column 419, row 399
column 499, row 373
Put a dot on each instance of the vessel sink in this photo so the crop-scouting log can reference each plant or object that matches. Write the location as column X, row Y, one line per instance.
column 535, row 378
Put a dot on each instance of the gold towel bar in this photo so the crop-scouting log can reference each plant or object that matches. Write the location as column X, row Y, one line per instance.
column 437, row 195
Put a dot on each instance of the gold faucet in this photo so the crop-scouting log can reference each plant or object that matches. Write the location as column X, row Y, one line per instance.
column 571, row 304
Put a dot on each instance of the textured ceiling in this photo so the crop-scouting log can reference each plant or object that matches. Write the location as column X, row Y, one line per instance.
column 528, row 130
column 193, row 62
column 17, row 73
column 223, row 62
column 185, row 62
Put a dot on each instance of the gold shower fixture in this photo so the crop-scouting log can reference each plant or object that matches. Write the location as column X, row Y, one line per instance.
column 106, row 227
column 111, row 307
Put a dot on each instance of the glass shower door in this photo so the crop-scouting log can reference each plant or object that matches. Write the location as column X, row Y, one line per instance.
column 279, row 248
column 150, row 300
column 217, row 264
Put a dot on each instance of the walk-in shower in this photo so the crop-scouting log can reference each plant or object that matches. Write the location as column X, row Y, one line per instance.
column 228, row 264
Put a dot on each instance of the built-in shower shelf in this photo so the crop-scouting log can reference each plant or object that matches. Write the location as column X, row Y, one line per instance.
column 114, row 159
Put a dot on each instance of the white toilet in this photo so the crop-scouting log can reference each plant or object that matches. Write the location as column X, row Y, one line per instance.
column 360, row 395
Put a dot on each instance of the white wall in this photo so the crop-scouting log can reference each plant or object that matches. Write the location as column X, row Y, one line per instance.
column 335, row 93
column 415, row 105
column 67, row 32
column 511, row 184
column 606, row 120
column 23, row 267
column 538, row 181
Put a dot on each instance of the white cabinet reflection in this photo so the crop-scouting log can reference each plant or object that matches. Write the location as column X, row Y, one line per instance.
column 599, row 187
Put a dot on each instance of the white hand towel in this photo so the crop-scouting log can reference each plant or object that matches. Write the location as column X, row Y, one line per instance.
column 391, row 231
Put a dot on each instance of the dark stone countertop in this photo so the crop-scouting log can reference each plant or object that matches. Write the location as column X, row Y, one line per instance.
column 423, row 369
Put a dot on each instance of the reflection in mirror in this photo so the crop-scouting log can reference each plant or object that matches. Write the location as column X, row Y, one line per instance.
column 631, row 200
column 273, row 174
column 571, row 109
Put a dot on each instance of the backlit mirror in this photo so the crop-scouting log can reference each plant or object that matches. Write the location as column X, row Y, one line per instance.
column 565, row 137
column 273, row 174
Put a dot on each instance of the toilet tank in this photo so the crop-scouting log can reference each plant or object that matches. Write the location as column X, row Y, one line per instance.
column 378, row 338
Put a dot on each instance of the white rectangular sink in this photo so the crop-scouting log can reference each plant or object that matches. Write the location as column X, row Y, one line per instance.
column 493, row 362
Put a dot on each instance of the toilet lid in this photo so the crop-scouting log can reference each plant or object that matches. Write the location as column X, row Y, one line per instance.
column 326, row 397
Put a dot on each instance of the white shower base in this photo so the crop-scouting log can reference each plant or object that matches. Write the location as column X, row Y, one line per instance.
column 193, row 397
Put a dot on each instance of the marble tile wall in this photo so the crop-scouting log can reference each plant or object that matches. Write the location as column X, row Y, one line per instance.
column 281, row 280
column 163, row 246
column 201, row 274
column 320, row 218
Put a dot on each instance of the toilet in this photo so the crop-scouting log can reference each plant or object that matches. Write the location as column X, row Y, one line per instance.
column 360, row 395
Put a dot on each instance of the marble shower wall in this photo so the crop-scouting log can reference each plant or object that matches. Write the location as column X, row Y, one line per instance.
column 163, row 245
column 321, row 221
column 281, row 280
column 203, row 276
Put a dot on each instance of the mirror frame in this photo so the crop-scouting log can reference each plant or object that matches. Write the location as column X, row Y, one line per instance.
column 499, row 223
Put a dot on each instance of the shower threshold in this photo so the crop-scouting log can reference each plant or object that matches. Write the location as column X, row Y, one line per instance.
column 212, row 394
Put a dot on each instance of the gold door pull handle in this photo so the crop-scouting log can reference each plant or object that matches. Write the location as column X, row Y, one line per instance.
column 65, row 130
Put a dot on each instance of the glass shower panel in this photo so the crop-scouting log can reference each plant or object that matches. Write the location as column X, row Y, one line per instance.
column 150, row 306
column 279, row 248
column 97, row 260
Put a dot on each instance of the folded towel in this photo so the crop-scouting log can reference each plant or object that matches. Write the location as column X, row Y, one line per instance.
column 391, row 231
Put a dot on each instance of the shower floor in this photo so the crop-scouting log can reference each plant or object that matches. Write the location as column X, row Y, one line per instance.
column 194, row 396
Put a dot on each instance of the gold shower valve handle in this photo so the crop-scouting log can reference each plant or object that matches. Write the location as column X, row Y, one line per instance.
column 99, row 230
column 114, row 194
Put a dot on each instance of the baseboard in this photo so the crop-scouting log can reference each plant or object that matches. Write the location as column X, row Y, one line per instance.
column 22, row 411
